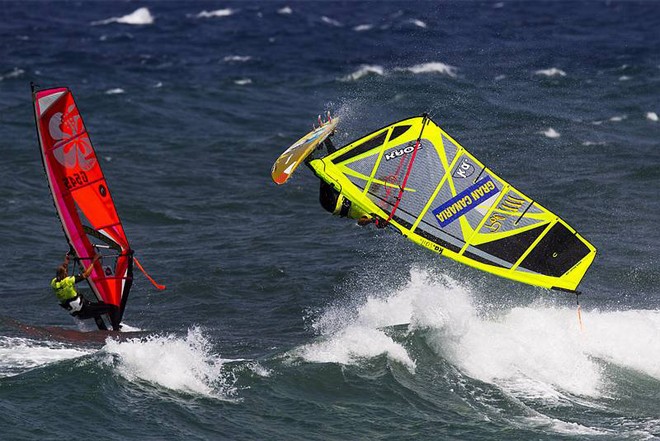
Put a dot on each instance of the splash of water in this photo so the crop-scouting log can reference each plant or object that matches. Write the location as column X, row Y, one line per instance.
column 181, row 364
column 535, row 352
column 18, row 355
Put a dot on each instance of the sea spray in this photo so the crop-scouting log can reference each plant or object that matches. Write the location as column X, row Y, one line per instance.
column 181, row 364
column 18, row 355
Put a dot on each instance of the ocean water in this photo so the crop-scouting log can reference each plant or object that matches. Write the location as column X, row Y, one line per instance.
column 281, row 322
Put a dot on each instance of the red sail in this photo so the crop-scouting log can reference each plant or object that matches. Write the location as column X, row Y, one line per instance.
column 81, row 195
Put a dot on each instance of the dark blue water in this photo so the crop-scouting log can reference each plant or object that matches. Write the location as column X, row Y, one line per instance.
column 281, row 322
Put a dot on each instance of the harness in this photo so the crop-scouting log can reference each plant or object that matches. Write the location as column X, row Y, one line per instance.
column 73, row 305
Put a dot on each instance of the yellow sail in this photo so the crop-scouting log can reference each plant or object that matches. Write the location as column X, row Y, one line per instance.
column 414, row 176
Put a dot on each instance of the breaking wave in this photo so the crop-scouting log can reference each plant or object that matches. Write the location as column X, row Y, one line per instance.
column 140, row 16
column 433, row 67
column 425, row 68
column 218, row 13
column 181, row 364
column 534, row 352
column 552, row 72
column 364, row 71
column 18, row 355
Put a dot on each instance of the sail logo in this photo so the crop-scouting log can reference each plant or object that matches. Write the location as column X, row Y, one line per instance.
column 400, row 152
column 511, row 204
column 72, row 147
column 464, row 169
column 465, row 201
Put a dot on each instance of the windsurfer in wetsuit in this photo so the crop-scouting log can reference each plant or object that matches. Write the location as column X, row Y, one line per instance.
column 75, row 303
column 337, row 204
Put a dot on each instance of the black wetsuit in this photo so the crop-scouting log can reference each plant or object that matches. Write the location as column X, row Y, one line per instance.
column 328, row 197
column 94, row 310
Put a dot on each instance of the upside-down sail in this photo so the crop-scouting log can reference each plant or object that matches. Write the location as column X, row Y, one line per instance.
column 425, row 184
column 81, row 195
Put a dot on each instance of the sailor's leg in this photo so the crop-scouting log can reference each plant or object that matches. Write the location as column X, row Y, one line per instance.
column 114, row 318
column 100, row 323
column 97, row 310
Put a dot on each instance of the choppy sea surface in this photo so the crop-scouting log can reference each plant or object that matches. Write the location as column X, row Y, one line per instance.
column 281, row 322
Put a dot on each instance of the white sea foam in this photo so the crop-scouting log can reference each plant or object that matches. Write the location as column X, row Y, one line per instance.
column 418, row 23
column 552, row 72
column 624, row 78
column 236, row 58
column 18, row 355
column 433, row 67
column 125, row 327
column 331, row 21
column 140, row 16
column 533, row 352
column 218, row 13
column 615, row 118
column 652, row 116
column 243, row 81
column 180, row 364
column 14, row 73
column 500, row 77
column 286, row 10
column 544, row 422
column 353, row 344
column 349, row 337
column 550, row 133
column 259, row 370
column 115, row 91
column 363, row 71
column 363, row 27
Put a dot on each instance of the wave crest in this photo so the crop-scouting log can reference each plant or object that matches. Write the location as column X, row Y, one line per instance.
column 141, row 16
column 180, row 364
column 363, row 71
column 552, row 72
column 433, row 67
column 218, row 13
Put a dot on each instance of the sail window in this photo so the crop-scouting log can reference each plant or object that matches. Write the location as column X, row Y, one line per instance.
column 361, row 148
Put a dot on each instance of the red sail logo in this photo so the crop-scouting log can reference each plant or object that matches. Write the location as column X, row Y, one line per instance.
column 72, row 146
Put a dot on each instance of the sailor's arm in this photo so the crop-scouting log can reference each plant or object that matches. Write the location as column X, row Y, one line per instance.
column 85, row 274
